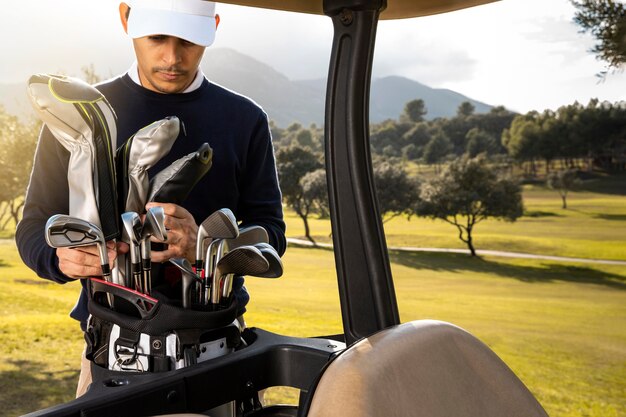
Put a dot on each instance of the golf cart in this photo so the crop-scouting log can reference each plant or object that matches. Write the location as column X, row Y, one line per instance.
column 378, row 367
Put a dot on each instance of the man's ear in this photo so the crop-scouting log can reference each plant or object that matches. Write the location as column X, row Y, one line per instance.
column 217, row 20
column 124, row 9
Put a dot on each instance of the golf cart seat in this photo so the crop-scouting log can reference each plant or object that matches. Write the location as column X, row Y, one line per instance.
column 423, row 368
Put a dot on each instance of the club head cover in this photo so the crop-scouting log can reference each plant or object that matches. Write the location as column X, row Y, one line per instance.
column 174, row 183
column 144, row 149
column 83, row 122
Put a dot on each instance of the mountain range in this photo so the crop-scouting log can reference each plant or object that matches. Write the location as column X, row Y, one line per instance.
column 288, row 101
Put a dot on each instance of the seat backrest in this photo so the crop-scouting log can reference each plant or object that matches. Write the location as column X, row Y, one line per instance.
column 424, row 369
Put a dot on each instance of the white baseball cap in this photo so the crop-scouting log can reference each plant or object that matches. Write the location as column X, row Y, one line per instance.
column 191, row 20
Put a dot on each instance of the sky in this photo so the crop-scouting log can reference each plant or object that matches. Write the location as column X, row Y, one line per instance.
column 522, row 54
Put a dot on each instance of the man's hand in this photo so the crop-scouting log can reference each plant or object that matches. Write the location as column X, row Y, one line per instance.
column 84, row 262
column 181, row 233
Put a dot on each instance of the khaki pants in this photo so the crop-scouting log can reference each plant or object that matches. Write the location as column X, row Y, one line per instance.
column 84, row 380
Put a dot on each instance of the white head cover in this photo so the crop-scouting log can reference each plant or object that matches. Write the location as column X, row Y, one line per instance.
column 191, row 20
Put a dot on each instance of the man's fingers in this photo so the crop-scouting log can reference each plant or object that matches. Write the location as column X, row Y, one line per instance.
column 81, row 262
column 85, row 261
column 77, row 271
column 163, row 255
column 181, row 233
column 171, row 210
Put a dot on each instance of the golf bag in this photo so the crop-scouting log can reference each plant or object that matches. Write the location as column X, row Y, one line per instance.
column 141, row 333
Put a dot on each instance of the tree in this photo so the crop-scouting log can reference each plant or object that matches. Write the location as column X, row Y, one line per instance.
column 18, row 141
column 468, row 192
column 388, row 137
column 315, row 191
column 606, row 21
column 465, row 109
column 522, row 137
column 437, row 148
column 479, row 141
column 563, row 181
column 397, row 193
column 414, row 111
column 293, row 163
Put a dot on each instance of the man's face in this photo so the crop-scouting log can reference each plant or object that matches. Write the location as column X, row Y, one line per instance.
column 167, row 64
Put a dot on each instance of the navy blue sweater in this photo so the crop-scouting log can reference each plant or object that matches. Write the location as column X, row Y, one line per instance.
column 242, row 178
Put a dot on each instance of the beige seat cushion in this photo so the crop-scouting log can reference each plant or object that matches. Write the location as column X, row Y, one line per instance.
column 423, row 369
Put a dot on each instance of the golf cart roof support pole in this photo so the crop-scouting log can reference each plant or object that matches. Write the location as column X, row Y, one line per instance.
column 366, row 291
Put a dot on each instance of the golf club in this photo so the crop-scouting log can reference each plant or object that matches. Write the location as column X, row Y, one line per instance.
column 144, row 149
column 174, row 183
column 275, row 270
column 243, row 260
column 248, row 236
column 64, row 231
column 189, row 279
column 131, row 234
column 153, row 225
column 223, row 226
column 219, row 224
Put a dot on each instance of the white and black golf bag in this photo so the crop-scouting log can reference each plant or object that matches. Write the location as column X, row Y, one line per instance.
column 140, row 333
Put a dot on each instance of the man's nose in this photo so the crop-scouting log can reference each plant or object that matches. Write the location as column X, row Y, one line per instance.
column 172, row 51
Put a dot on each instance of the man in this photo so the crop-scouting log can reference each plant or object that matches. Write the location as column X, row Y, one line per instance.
column 169, row 39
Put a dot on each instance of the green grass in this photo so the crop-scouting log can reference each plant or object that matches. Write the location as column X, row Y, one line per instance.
column 40, row 345
column 593, row 226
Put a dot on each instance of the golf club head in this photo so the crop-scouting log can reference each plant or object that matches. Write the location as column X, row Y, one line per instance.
column 275, row 269
column 153, row 225
column 183, row 264
column 249, row 236
column 140, row 153
column 131, row 233
column 212, row 225
column 244, row 260
column 64, row 231
column 174, row 183
column 189, row 279
column 221, row 224
column 84, row 123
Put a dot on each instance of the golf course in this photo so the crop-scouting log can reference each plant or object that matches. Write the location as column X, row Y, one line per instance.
column 559, row 325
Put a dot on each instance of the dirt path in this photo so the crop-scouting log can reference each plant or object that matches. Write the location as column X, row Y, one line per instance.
column 301, row 242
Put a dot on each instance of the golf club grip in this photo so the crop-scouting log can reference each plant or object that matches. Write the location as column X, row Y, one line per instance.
column 174, row 184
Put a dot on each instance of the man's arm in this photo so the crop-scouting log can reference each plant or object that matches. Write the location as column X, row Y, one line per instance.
column 47, row 194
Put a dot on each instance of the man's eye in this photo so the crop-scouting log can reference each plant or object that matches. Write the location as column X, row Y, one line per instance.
column 156, row 38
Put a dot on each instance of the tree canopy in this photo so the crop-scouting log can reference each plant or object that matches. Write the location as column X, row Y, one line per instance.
column 293, row 163
column 18, row 141
column 606, row 21
column 468, row 192
column 397, row 192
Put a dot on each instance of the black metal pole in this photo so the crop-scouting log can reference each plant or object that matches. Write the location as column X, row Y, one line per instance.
column 366, row 290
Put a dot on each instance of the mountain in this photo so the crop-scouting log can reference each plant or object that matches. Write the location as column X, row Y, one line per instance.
column 284, row 101
column 390, row 94
column 287, row 101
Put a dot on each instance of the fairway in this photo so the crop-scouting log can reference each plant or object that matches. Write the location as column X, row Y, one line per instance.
column 593, row 226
